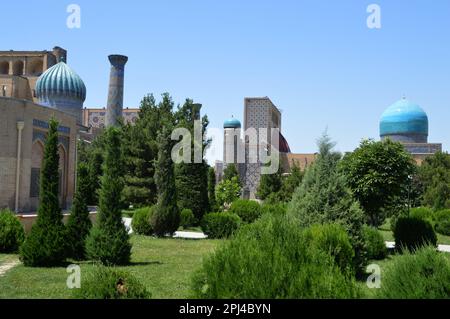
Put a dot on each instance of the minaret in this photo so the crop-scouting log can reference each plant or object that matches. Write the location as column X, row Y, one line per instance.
column 115, row 94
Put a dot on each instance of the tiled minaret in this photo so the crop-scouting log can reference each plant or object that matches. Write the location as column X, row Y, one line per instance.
column 115, row 94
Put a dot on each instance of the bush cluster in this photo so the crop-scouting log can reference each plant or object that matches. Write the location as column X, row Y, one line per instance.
column 141, row 222
column 220, row 225
column 247, row 210
column 442, row 222
column 110, row 283
column 333, row 240
column 187, row 218
column 274, row 209
column 422, row 275
column 422, row 213
column 12, row 234
column 271, row 259
column 412, row 233
column 375, row 245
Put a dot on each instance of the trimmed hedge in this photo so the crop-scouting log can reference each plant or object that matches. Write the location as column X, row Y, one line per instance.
column 442, row 222
column 110, row 283
column 412, row 233
column 187, row 218
column 220, row 225
column 270, row 259
column 140, row 223
column 247, row 210
column 422, row 275
column 375, row 245
column 12, row 233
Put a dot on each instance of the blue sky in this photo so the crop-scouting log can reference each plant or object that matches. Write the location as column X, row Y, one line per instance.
column 317, row 60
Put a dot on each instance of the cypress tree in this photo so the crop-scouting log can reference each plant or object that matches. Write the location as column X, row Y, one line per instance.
column 46, row 244
column 192, row 178
column 166, row 218
column 79, row 224
column 108, row 241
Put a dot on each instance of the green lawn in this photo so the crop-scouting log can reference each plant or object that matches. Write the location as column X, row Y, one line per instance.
column 163, row 265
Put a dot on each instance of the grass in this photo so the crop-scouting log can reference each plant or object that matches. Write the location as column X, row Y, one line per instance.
column 164, row 266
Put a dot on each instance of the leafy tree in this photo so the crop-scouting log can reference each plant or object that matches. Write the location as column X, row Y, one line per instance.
column 323, row 197
column 192, row 178
column 212, row 189
column 379, row 174
column 231, row 171
column 79, row 224
column 108, row 241
column 435, row 177
column 46, row 244
column 227, row 191
column 269, row 184
column 166, row 218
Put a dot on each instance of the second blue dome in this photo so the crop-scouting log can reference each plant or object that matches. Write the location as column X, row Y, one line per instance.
column 404, row 121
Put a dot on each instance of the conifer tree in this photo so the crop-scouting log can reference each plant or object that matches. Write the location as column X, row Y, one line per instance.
column 269, row 184
column 166, row 218
column 192, row 178
column 212, row 189
column 108, row 241
column 46, row 244
column 323, row 197
column 79, row 224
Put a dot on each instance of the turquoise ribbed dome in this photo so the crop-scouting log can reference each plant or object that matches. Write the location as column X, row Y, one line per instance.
column 404, row 121
column 232, row 123
column 58, row 82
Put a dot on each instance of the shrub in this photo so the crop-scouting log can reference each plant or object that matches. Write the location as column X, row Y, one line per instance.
column 247, row 210
column 270, row 259
column 422, row 275
column 187, row 218
column 375, row 245
column 110, row 283
column 220, row 225
column 411, row 233
column 333, row 240
column 442, row 220
column 141, row 221
column 12, row 234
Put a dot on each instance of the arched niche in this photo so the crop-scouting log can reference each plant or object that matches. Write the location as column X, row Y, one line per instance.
column 18, row 67
column 4, row 67
column 37, row 155
column 35, row 67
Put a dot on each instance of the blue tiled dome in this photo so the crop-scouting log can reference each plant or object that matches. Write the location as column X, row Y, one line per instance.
column 61, row 88
column 60, row 80
column 232, row 123
column 404, row 121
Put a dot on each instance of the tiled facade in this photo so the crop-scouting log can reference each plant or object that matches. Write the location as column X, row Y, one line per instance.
column 95, row 118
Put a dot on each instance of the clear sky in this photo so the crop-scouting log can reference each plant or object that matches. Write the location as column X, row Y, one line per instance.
column 317, row 60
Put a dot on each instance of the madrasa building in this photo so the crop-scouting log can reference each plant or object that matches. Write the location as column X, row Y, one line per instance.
column 404, row 122
column 34, row 87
